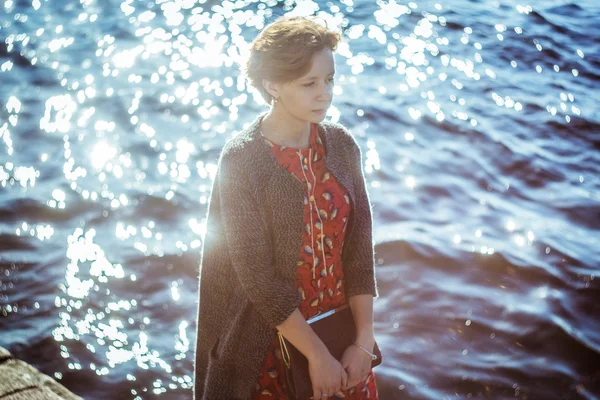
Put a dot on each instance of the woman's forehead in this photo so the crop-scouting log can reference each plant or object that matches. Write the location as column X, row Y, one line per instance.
column 322, row 64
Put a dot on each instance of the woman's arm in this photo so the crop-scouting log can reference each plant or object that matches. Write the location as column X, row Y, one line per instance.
column 326, row 373
column 248, row 241
column 302, row 336
column 356, row 362
column 362, row 310
column 359, row 271
column 359, row 253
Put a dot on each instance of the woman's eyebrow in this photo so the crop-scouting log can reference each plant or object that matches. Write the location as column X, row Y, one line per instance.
column 314, row 77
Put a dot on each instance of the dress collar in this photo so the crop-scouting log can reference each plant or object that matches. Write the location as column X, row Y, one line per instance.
column 335, row 149
column 314, row 143
column 253, row 132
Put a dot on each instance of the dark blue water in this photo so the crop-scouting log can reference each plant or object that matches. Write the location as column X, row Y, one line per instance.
column 480, row 126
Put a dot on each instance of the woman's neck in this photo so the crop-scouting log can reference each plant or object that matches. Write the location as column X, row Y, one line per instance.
column 282, row 128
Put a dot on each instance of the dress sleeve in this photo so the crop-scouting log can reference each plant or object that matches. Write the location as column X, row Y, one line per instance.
column 248, row 241
column 359, row 267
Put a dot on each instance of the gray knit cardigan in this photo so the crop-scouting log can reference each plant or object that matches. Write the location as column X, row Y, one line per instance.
column 248, row 263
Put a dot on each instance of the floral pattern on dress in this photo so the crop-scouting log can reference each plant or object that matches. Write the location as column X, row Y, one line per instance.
column 320, row 276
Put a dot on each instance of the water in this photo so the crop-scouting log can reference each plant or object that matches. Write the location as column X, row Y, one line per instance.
column 479, row 125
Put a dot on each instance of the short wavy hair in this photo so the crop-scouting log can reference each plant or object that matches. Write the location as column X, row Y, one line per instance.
column 283, row 51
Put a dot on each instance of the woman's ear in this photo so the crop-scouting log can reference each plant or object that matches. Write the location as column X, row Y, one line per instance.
column 271, row 88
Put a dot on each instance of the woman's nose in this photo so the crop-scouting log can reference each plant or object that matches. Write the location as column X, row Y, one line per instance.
column 326, row 92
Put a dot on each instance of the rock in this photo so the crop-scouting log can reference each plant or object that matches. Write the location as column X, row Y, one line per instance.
column 21, row 381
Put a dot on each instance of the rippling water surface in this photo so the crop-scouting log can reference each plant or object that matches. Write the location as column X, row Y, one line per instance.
column 479, row 123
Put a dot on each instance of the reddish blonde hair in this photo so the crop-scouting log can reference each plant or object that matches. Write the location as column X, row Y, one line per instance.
column 283, row 51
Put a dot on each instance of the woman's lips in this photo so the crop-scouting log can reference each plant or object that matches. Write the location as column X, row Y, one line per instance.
column 319, row 111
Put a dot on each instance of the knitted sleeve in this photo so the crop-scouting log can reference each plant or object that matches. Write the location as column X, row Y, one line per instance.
column 248, row 240
column 359, row 268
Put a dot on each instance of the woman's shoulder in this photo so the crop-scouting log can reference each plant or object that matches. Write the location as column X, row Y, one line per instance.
column 241, row 157
column 340, row 133
column 238, row 149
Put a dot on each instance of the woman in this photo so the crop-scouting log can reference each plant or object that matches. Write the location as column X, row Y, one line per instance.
column 289, row 232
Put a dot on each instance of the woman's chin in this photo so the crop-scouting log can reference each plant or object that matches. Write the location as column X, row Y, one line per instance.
column 318, row 117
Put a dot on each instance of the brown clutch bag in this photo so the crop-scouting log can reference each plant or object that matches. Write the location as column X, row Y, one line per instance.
column 337, row 330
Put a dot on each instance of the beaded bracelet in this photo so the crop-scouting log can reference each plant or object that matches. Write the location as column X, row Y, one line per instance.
column 373, row 356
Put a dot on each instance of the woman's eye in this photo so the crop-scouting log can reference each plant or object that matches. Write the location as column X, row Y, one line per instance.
column 310, row 84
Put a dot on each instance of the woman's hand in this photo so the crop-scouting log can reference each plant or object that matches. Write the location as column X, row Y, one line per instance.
column 326, row 375
column 358, row 365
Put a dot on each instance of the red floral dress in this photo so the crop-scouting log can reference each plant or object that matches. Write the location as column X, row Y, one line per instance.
column 320, row 276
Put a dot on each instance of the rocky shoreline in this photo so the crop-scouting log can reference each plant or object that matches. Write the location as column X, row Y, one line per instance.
column 21, row 381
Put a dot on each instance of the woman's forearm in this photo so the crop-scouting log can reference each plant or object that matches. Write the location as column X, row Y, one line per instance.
column 301, row 335
column 362, row 310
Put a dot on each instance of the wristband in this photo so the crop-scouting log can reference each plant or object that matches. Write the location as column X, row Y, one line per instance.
column 373, row 356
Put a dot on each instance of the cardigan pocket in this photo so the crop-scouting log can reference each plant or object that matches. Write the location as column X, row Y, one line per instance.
column 214, row 351
column 214, row 370
column 217, row 374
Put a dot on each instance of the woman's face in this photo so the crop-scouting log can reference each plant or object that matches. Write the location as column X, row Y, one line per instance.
column 308, row 97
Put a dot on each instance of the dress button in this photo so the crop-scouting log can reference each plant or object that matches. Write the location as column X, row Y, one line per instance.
column 312, row 198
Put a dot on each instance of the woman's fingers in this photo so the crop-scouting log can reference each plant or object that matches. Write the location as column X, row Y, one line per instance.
column 316, row 393
column 319, row 394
